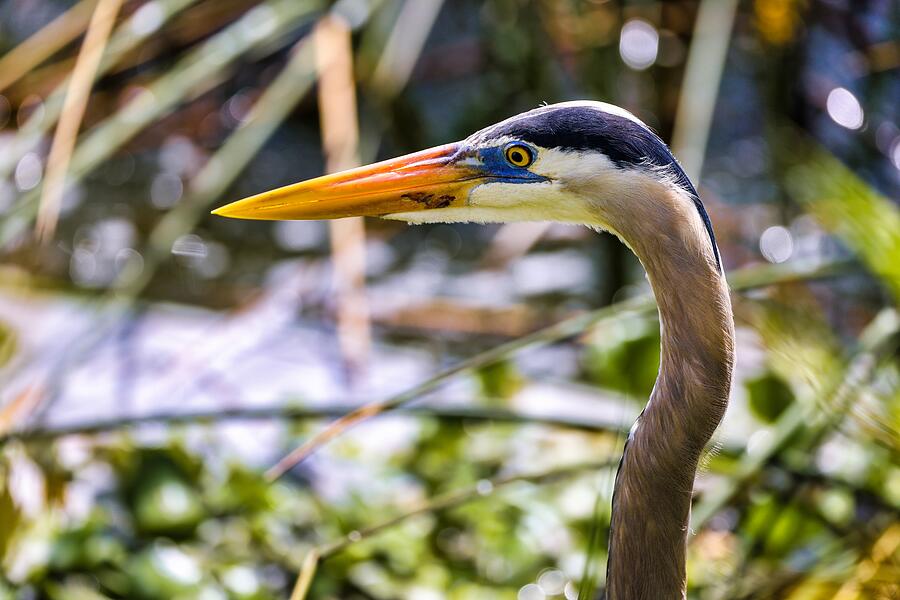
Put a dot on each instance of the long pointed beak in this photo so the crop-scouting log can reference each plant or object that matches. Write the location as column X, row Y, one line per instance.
column 424, row 180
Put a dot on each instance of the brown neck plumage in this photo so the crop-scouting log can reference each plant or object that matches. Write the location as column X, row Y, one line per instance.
column 652, row 498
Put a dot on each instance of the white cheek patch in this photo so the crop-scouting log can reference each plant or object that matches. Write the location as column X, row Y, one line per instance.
column 567, row 166
column 500, row 194
column 501, row 202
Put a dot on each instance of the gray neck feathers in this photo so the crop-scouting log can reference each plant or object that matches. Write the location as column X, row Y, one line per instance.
column 652, row 498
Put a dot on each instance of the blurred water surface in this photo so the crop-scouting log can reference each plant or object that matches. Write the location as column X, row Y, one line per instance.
column 156, row 360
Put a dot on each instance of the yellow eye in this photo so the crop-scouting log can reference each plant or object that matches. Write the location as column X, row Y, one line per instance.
column 519, row 156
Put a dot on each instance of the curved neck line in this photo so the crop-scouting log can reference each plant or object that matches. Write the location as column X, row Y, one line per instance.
column 652, row 495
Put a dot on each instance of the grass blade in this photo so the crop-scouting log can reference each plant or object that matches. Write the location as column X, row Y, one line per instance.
column 72, row 113
column 130, row 34
column 45, row 43
column 204, row 64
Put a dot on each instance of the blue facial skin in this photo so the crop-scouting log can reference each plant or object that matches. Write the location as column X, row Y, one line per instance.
column 497, row 168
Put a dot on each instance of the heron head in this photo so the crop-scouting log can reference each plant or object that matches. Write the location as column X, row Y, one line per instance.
column 576, row 162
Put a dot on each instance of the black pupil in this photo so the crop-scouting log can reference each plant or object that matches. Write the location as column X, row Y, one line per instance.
column 518, row 156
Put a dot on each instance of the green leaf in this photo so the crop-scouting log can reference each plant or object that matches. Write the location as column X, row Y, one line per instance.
column 499, row 380
column 629, row 363
column 849, row 208
column 769, row 395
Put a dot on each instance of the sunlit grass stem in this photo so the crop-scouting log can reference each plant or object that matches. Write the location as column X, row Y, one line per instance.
column 72, row 113
column 201, row 66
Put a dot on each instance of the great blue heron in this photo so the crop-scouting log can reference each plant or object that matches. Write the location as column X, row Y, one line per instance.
column 595, row 164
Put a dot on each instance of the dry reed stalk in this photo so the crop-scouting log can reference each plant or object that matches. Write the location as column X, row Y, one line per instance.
column 74, row 106
column 340, row 141
column 307, row 573
column 130, row 34
column 20, row 407
column 700, row 87
column 199, row 67
column 404, row 46
column 45, row 43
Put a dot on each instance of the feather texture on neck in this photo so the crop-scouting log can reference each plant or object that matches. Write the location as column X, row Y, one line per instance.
column 652, row 498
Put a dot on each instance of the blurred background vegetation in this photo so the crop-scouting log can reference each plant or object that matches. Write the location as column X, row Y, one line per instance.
column 156, row 360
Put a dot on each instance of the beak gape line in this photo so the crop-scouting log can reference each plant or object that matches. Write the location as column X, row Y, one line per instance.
column 420, row 181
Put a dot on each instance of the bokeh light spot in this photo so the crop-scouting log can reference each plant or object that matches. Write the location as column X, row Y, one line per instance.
column 189, row 246
column 299, row 235
column 177, row 565
column 147, row 18
column 895, row 153
column 552, row 582
column 844, row 109
column 776, row 244
column 241, row 580
column 531, row 591
column 484, row 487
column 179, row 155
column 29, row 171
column 237, row 108
column 166, row 190
column 638, row 44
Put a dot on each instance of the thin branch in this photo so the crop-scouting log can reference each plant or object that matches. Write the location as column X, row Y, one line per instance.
column 439, row 503
column 340, row 137
column 745, row 279
column 19, row 408
column 299, row 413
column 75, row 104
column 553, row 333
column 274, row 105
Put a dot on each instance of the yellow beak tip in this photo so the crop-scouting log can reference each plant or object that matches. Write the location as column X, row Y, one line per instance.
column 419, row 181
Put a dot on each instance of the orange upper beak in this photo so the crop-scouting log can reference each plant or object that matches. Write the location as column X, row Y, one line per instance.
column 420, row 181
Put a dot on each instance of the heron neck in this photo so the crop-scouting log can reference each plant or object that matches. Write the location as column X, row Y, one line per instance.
column 652, row 497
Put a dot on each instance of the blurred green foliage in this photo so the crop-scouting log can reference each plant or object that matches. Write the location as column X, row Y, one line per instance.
column 802, row 499
column 769, row 396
